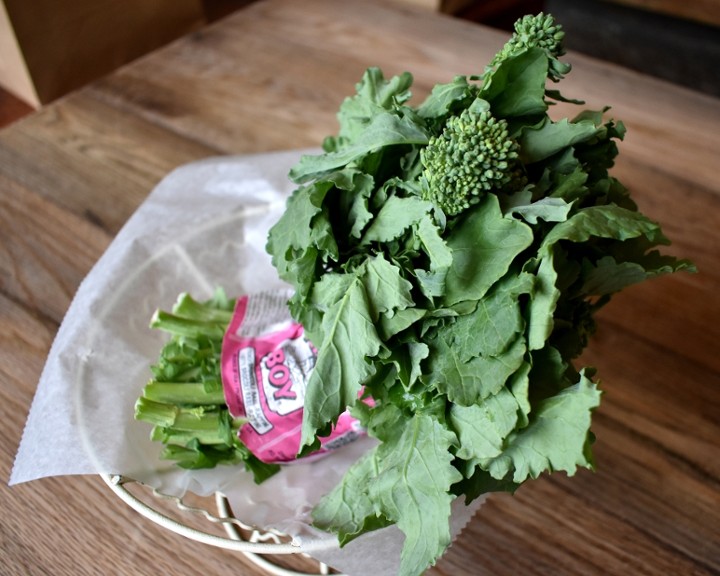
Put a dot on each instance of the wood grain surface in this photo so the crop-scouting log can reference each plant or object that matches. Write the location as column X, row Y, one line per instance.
column 271, row 77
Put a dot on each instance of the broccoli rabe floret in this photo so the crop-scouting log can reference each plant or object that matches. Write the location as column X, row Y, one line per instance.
column 534, row 31
column 537, row 31
column 473, row 155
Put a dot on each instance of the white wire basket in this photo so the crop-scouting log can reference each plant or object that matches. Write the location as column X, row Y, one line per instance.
column 258, row 546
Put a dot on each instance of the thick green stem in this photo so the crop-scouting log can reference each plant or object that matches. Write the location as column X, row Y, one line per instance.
column 179, row 326
column 187, row 307
column 182, row 437
column 196, row 393
column 156, row 413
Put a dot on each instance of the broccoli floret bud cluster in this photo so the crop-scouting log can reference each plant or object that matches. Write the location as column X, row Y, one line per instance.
column 473, row 155
column 535, row 31
column 538, row 31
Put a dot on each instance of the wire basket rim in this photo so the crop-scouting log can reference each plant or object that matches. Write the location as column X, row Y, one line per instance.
column 116, row 483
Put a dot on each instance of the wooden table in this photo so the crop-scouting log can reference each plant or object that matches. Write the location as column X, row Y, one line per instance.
column 270, row 78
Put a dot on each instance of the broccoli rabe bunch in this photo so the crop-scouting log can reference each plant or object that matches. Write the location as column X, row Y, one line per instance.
column 448, row 260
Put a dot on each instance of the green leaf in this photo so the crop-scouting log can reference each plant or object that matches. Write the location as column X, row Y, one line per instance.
column 407, row 359
column 444, row 98
column 331, row 288
column 386, row 290
column 400, row 321
column 374, row 95
column 383, row 420
column 301, row 271
column 556, row 438
column 540, row 142
column 432, row 281
column 349, row 202
column 517, row 86
column 302, row 237
column 543, row 302
column 349, row 337
column 484, row 245
column 466, row 382
column 395, row 217
column 413, row 490
column 549, row 374
column 387, row 94
column 493, row 326
column 384, row 129
column 605, row 222
column 434, row 246
column 348, row 510
column 358, row 213
column 570, row 186
column 548, row 209
column 608, row 276
column 482, row 428
column 295, row 228
column 519, row 385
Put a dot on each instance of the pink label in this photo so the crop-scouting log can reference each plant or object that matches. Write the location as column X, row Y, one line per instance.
column 266, row 363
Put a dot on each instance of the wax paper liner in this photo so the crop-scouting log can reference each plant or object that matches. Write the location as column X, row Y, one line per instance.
column 205, row 225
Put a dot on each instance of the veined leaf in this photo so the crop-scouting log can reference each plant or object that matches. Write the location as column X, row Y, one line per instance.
column 301, row 229
column 556, row 438
column 413, row 490
column 466, row 382
column 396, row 215
column 548, row 209
column 517, row 86
column 348, row 510
column 387, row 291
column 543, row 302
column 539, row 143
column 482, row 428
column 605, row 222
column 384, row 129
column 349, row 337
column 444, row 97
column 483, row 245
column 495, row 323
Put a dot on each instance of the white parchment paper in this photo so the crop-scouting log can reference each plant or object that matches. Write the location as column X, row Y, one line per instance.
column 205, row 225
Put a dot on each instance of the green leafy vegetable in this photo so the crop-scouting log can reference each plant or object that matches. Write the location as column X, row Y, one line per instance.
column 448, row 259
